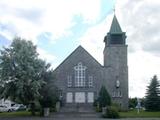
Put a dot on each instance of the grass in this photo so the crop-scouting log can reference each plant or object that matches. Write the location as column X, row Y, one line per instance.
column 16, row 114
column 129, row 114
column 142, row 114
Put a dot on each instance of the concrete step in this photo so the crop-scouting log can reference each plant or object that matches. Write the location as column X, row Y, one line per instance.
column 75, row 115
column 81, row 108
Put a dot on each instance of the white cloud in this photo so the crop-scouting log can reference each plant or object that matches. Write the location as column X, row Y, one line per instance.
column 45, row 55
column 142, row 67
column 56, row 16
column 140, row 20
column 92, row 40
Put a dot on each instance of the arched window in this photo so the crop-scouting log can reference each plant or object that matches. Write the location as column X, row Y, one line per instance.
column 80, row 75
column 117, row 84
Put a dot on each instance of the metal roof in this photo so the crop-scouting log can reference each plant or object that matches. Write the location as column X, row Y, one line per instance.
column 115, row 27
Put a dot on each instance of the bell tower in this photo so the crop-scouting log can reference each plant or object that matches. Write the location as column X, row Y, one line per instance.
column 115, row 64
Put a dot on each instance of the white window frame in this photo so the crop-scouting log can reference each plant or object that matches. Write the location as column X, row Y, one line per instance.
column 80, row 75
column 90, row 97
column 69, row 97
column 119, row 94
column 80, row 97
column 90, row 81
column 69, row 81
column 114, row 94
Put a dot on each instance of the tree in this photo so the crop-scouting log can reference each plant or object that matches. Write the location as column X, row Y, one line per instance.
column 152, row 101
column 104, row 98
column 21, row 72
column 132, row 102
column 49, row 92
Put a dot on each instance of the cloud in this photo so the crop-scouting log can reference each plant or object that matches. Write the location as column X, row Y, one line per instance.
column 30, row 18
column 142, row 67
column 45, row 55
column 152, row 47
column 92, row 40
column 140, row 20
column 53, row 20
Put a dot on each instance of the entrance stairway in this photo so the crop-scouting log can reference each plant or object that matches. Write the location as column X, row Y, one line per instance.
column 76, row 111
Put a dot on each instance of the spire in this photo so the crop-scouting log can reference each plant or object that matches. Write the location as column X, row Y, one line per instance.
column 115, row 35
column 115, row 27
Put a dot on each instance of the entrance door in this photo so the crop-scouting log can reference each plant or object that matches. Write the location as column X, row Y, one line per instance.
column 80, row 97
column 69, row 98
column 90, row 97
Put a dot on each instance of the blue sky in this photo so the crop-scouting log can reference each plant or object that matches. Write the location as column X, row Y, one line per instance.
column 57, row 27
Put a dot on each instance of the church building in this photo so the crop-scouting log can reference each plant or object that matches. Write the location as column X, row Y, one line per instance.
column 80, row 76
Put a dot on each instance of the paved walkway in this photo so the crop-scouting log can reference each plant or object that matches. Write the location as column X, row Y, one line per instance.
column 49, row 118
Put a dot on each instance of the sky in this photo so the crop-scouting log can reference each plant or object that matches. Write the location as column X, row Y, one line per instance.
column 58, row 27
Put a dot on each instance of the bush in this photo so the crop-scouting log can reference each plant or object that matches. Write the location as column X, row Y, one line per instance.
column 104, row 98
column 97, row 106
column 111, row 112
column 117, row 106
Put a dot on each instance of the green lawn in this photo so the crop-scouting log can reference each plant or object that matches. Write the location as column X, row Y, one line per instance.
column 142, row 114
column 129, row 114
column 16, row 114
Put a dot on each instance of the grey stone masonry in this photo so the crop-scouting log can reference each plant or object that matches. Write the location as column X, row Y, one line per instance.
column 116, row 69
column 79, row 77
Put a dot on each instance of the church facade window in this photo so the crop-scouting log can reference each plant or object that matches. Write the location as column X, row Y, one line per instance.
column 69, row 81
column 117, row 84
column 117, row 93
column 80, row 75
column 114, row 94
column 90, row 81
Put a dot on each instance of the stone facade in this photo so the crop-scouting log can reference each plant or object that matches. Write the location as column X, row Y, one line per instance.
column 66, row 69
column 80, row 77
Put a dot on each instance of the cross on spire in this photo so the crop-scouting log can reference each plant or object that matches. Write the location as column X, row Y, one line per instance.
column 114, row 9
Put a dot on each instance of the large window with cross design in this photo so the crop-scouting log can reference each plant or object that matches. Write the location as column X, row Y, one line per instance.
column 80, row 75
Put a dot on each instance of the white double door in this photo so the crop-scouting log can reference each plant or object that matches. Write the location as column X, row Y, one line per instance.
column 80, row 97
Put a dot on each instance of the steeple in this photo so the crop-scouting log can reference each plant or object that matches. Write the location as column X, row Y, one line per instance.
column 115, row 27
column 115, row 36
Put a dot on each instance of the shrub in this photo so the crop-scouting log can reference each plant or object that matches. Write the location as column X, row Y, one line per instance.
column 117, row 106
column 104, row 98
column 111, row 112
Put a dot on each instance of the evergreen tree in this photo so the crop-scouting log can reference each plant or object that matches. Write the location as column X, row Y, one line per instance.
column 104, row 97
column 152, row 102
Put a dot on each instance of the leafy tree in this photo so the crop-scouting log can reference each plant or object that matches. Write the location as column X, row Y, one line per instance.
column 152, row 102
column 104, row 98
column 21, row 72
column 132, row 102
column 49, row 92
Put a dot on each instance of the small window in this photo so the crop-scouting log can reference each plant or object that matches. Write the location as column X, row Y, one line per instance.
column 69, row 81
column 90, row 81
column 114, row 94
column 117, row 84
column 119, row 94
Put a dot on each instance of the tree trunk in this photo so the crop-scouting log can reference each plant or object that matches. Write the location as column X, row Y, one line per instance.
column 33, row 108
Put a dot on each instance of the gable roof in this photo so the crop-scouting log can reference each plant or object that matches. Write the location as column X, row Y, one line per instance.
column 79, row 47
